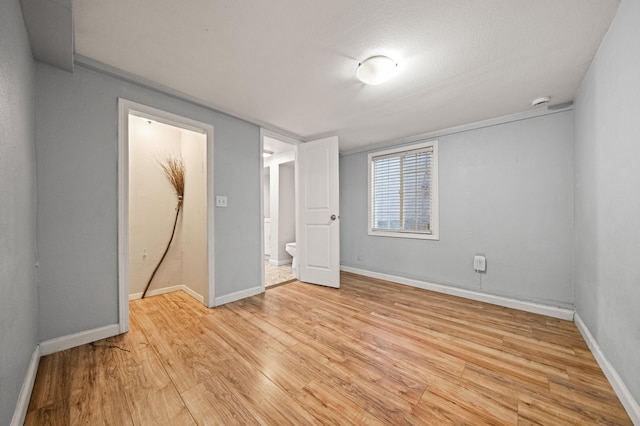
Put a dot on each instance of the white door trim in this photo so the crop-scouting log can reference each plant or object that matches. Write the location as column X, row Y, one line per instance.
column 124, row 108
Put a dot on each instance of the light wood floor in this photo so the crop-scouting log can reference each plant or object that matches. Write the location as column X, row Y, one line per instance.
column 370, row 353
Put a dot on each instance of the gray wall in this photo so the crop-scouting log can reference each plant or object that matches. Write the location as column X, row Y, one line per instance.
column 18, row 297
column 607, row 196
column 505, row 191
column 76, row 146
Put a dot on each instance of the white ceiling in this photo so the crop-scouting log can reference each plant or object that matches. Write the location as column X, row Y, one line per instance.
column 290, row 64
column 275, row 146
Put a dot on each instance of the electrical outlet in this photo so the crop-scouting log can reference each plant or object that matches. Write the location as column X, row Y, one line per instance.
column 479, row 263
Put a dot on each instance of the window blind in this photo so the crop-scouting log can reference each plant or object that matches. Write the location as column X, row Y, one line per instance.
column 402, row 191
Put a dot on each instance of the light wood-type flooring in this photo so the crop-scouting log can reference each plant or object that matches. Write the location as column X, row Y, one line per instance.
column 369, row 353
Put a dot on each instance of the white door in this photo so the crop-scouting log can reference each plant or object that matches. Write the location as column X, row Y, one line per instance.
column 318, row 240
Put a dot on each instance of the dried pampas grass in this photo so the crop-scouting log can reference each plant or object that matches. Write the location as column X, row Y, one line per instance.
column 173, row 168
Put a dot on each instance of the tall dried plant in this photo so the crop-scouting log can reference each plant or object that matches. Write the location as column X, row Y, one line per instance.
column 173, row 168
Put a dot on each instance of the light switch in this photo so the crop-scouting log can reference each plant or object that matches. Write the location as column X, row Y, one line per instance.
column 221, row 201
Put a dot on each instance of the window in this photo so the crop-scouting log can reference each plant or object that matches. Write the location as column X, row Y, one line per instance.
column 403, row 192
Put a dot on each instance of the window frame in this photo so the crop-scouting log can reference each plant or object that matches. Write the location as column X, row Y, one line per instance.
column 435, row 222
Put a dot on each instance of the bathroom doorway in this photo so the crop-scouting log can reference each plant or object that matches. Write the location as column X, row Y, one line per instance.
column 279, row 208
column 154, row 211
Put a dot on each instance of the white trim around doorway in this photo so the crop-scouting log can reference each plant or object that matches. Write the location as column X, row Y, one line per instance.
column 282, row 138
column 126, row 107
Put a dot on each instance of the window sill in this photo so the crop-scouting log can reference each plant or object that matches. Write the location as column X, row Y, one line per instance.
column 415, row 236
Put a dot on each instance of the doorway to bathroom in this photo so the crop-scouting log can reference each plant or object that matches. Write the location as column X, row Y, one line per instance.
column 165, row 227
column 279, row 208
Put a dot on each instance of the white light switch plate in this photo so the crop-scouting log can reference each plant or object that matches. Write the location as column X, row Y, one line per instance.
column 221, row 201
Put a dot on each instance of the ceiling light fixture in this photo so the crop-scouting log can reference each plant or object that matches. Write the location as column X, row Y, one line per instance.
column 376, row 70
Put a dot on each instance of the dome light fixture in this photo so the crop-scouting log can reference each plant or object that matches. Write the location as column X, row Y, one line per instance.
column 376, row 70
column 540, row 101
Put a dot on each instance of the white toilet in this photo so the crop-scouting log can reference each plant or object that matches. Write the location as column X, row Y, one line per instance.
column 291, row 249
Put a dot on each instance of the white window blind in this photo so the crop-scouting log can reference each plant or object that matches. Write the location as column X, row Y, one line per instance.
column 402, row 190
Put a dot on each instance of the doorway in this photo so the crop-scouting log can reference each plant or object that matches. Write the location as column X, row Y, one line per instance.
column 278, row 208
column 150, row 140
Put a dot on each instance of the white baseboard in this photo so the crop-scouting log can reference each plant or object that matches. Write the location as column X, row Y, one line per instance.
column 627, row 400
column 193, row 293
column 72, row 340
column 238, row 295
column 164, row 290
column 280, row 262
column 27, row 387
column 536, row 308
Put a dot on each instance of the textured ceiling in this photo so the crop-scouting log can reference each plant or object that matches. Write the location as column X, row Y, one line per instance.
column 290, row 64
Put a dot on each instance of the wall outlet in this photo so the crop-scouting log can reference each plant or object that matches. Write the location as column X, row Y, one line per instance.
column 221, row 201
column 479, row 263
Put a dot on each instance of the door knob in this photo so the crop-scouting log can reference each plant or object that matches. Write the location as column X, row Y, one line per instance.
column 333, row 217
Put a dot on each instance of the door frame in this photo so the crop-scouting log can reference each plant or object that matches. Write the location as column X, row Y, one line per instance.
column 125, row 107
column 295, row 143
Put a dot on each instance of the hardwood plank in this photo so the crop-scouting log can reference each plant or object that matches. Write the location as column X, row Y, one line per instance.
column 281, row 337
column 211, row 403
column 479, row 354
column 52, row 380
column 547, row 356
column 371, row 352
column 434, row 409
column 563, row 413
column 265, row 359
column 151, row 395
column 601, row 402
column 531, row 414
column 97, row 396
column 542, row 401
column 185, row 364
column 331, row 406
column 54, row 414
column 487, row 405
column 267, row 402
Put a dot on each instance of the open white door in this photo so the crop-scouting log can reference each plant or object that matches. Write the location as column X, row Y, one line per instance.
column 318, row 227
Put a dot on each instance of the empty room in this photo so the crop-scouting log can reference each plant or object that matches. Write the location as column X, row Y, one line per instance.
column 345, row 212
